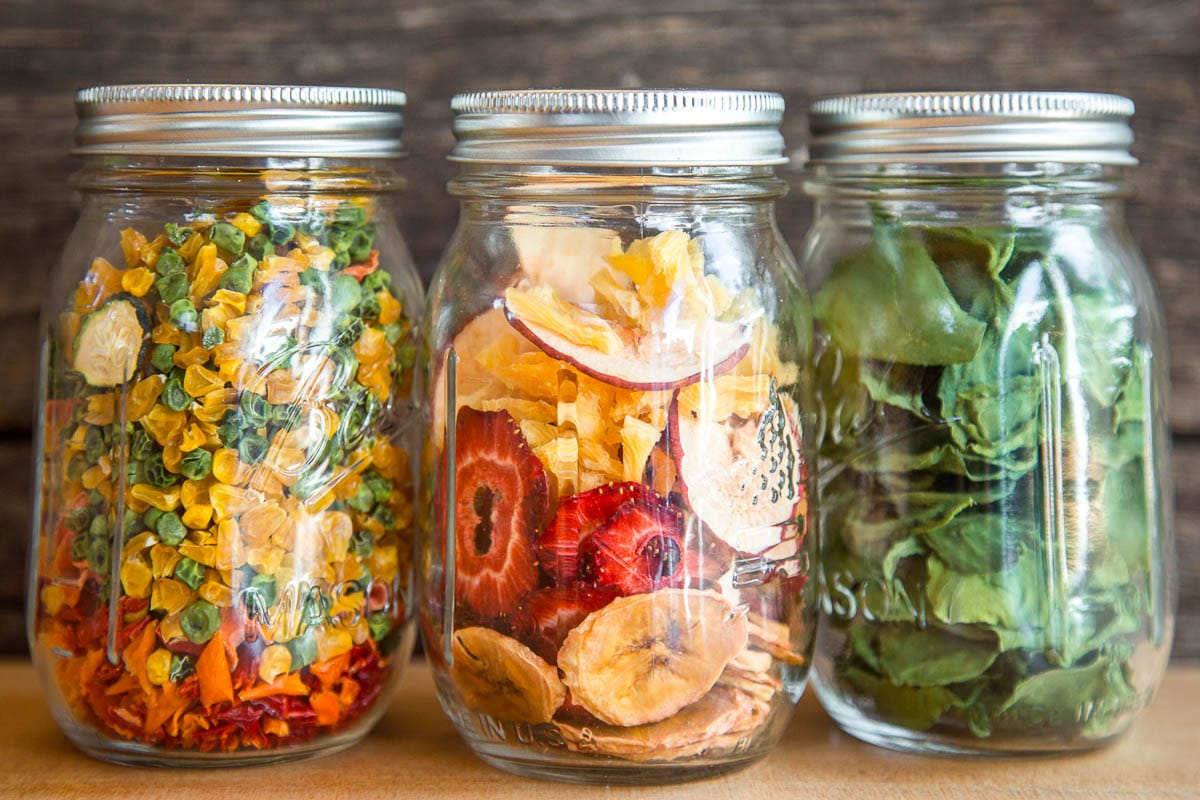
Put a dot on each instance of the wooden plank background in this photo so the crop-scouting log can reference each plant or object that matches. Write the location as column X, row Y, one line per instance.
column 1148, row 50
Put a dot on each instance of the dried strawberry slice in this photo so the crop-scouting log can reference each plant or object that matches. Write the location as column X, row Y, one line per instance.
column 501, row 501
column 545, row 617
column 638, row 550
column 576, row 518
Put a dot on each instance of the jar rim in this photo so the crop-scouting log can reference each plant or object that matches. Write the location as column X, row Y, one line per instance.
column 619, row 127
column 238, row 120
column 960, row 127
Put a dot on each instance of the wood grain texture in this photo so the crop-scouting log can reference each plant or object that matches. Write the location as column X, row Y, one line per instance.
column 415, row 753
column 1146, row 50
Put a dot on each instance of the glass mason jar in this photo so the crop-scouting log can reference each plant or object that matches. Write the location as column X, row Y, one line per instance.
column 615, row 572
column 221, row 553
column 996, row 560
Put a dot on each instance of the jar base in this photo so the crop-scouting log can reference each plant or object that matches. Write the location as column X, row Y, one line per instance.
column 131, row 754
column 613, row 772
column 856, row 723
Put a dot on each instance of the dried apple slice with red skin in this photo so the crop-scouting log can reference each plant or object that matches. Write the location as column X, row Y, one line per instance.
column 744, row 479
column 640, row 364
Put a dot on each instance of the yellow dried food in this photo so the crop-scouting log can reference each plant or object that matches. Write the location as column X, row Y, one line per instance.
column 144, row 395
column 205, row 554
column 190, row 356
column 215, row 405
column 524, row 410
column 275, row 660
column 172, row 455
column 160, row 499
column 725, row 396
column 228, row 469
column 246, row 223
column 230, row 553
column 194, row 493
column 230, row 501
column 148, row 255
column 170, row 595
column 637, row 439
column 537, row 433
column 170, row 629
column 136, row 577
column 137, row 544
column 163, row 559
column 166, row 333
column 238, row 327
column 100, row 409
column 216, row 593
column 132, row 242
column 263, row 524
column 198, row 516
column 198, row 380
column 541, row 305
column 332, row 642
column 384, row 562
column 158, row 667
column 137, row 281
column 231, row 300
column 193, row 437
column 265, row 559
column 389, row 308
column 282, row 387
column 92, row 478
column 163, row 424
column 101, row 282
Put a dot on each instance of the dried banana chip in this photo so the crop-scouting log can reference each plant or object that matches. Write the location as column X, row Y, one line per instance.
column 774, row 637
column 701, row 726
column 642, row 658
column 503, row 678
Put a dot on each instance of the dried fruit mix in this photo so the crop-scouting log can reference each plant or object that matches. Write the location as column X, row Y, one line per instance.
column 623, row 484
column 230, row 546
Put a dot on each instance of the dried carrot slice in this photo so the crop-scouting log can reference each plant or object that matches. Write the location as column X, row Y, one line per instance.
column 212, row 670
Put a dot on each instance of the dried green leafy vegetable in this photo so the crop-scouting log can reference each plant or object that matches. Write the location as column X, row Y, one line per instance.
column 987, row 529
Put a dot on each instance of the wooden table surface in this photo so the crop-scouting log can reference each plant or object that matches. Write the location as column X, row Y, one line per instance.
column 414, row 752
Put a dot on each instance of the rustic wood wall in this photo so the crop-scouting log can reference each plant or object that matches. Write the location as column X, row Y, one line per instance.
column 1149, row 50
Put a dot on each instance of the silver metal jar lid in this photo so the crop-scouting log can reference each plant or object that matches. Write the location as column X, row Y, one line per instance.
column 239, row 120
column 971, row 127
column 619, row 127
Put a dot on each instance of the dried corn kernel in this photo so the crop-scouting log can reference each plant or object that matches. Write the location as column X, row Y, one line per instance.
column 137, row 281
column 136, row 577
column 199, row 380
column 275, row 660
column 246, row 223
column 144, row 395
column 132, row 243
column 100, row 409
column 164, row 424
column 163, row 559
column 170, row 595
column 158, row 667
column 201, row 554
column 198, row 516
column 217, row 593
column 162, row 500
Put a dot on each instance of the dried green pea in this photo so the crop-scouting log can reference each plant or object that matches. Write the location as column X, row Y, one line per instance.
column 171, row 529
column 200, row 621
column 228, row 237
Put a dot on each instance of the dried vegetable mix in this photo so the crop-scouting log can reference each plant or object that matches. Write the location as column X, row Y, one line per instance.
column 973, row 587
column 230, row 549
column 625, row 438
